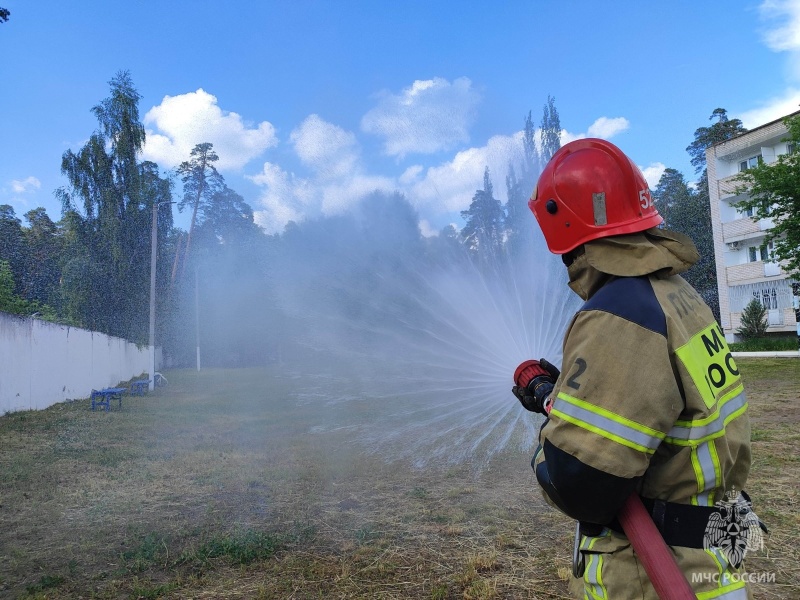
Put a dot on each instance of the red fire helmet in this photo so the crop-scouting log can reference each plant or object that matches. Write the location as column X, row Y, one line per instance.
column 590, row 189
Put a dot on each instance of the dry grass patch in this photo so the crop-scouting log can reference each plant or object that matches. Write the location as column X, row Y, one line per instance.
column 223, row 486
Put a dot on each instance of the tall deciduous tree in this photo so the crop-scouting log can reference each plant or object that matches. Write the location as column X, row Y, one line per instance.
column 108, row 208
column 4, row 14
column 774, row 191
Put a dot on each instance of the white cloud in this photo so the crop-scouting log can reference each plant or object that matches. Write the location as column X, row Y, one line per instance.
column 429, row 116
column 781, row 33
column 411, row 174
column 284, row 198
column 785, row 34
column 426, row 229
column 25, row 186
column 445, row 188
column 653, row 173
column 772, row 109
column 339, row 197
column 603, row 127
column 328, row 149
column 607, row 128
column 337, row 180
column 567, row 137
column 181, row 122
column 450, row 186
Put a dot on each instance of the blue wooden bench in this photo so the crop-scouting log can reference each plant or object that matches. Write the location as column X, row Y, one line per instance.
column 139, row 387
column 103, row 397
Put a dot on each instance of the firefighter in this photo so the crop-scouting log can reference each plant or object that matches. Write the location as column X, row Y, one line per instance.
column 649, row 399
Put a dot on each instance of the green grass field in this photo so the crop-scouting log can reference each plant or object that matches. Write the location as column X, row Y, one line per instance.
column 223, row 485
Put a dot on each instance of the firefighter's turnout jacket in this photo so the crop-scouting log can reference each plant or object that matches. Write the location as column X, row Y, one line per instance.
column 649, row 400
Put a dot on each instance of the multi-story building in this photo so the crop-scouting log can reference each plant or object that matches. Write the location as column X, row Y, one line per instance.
column 744, row 266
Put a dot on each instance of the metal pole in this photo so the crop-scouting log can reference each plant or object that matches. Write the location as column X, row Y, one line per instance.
column 153, row 245
column 197, row 314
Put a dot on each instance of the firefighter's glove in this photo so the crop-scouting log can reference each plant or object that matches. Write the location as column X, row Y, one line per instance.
column 534, row 381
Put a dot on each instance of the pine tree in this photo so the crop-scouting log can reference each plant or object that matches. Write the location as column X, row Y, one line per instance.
column 689, row 212
column 533, row 160
column 13, row 248
column 551, row 130
column 483, row 233
column 698, row 219
column 705, row 137
column 200, row 182
column 754, row 320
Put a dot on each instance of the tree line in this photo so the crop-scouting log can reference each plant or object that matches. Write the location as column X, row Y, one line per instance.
column 92, row 268
column 236, row 289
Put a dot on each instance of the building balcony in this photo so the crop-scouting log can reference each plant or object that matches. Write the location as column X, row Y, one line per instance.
column 728, row 186
column 751, row 271
column 739, row 229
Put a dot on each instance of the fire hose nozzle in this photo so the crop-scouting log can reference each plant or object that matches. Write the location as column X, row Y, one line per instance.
column 526, row 371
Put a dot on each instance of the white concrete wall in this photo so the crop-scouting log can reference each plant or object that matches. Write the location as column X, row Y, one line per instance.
column 43, row 363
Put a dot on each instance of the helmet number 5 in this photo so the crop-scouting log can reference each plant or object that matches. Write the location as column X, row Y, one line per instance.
column 645, row 200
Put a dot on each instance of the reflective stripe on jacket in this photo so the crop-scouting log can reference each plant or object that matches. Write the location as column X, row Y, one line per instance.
column 649, row 393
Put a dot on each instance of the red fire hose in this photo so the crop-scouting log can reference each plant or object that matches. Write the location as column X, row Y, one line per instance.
column 668, row 580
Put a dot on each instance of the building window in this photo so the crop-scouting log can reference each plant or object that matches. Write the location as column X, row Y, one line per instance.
column 749, row 212
column 773, row 295
column 751, row 162
column 791, row 148
column 768, row 297
column 756, row 253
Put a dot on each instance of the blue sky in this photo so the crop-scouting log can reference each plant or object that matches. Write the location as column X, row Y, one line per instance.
column 311, row 104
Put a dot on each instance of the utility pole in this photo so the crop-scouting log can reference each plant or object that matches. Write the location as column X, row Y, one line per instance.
column 153, row 249
column 153, row 255
column 197, row 313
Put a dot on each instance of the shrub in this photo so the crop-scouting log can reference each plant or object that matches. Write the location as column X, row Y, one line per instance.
column 766, row 344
